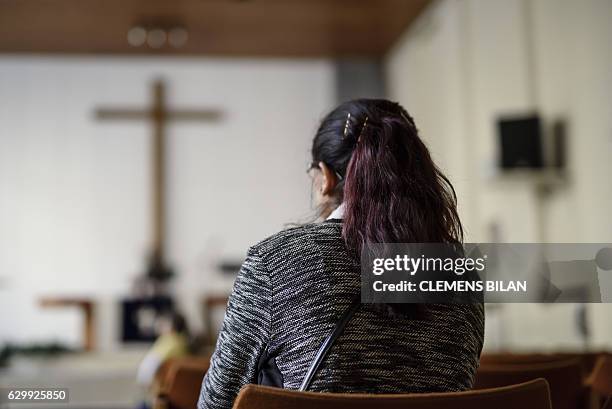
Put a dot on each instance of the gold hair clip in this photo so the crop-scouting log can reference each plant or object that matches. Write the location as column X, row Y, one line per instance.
column 362, row 129
column 346, row 125
column 406, row 118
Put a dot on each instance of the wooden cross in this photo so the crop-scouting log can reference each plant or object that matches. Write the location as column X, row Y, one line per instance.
column 159, row 114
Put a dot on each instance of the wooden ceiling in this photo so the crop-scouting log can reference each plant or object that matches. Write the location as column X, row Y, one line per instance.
column 263, row 28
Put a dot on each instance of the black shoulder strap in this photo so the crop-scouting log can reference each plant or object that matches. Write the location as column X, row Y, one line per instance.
column 329, row 341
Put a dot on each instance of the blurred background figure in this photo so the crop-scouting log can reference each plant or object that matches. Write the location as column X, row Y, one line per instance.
column 172, row 342
column 145, row 145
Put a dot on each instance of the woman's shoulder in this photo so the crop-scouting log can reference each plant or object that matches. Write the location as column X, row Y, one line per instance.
column 297, row 237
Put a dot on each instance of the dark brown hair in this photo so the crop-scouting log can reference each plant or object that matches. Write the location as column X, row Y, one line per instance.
column 391, row 189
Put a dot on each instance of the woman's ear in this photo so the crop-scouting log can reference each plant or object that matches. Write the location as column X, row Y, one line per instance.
column 330, row 180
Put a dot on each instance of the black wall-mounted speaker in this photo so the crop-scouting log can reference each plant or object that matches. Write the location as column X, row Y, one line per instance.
column 521, row 142
column 559, row 140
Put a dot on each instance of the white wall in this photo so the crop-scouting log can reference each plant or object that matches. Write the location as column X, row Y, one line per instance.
column 74, row 192
column 465, row 63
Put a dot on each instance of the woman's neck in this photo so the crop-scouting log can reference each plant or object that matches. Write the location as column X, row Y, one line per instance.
column 337, row 213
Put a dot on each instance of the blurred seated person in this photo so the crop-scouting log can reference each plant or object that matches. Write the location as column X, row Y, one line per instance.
column 173, row 342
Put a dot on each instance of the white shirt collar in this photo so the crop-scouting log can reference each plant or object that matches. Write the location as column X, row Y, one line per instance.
column 338, row 213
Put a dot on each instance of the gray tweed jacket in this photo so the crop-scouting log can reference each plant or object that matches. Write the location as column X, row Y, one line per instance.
column 290, row 292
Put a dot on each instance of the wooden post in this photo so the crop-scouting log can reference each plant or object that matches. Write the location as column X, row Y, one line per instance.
column 159, row 115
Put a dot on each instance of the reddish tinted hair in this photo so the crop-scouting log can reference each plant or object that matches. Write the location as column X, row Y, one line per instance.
column 391, row 188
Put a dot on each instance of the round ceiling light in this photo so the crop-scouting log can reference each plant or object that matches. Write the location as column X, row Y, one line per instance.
column 177, row 37
column 156, row 38
column 137, row 36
